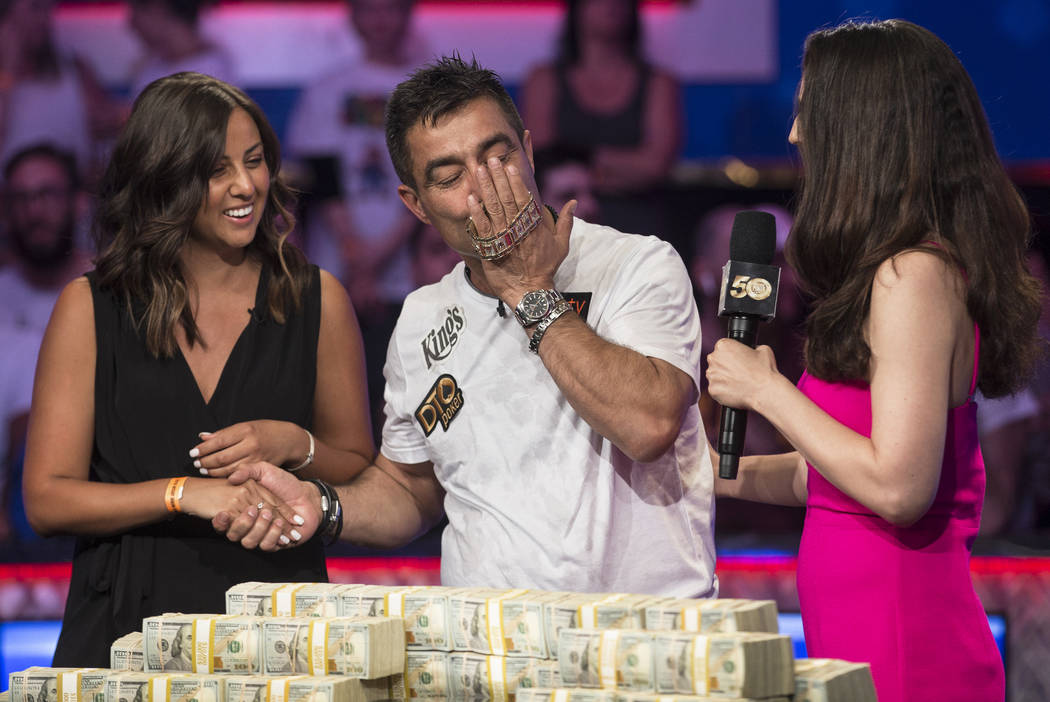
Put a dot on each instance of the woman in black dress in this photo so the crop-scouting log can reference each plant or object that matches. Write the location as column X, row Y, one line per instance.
column 201, row 340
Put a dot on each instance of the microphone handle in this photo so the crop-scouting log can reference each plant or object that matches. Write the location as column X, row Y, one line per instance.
column 733, row 422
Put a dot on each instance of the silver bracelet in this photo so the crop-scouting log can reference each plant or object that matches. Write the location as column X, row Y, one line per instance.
column 309, row 456
column 560, row 308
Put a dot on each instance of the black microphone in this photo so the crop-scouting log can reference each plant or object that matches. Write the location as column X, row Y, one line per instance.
column 748, row 296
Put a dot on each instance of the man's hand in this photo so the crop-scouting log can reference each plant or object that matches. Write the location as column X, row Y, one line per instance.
column 254, row 532
column 531, row 265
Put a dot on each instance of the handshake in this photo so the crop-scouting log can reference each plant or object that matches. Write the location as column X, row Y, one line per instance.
column 271, row 509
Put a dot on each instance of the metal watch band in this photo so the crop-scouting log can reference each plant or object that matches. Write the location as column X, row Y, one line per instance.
column 553, row 298
column 561, row 308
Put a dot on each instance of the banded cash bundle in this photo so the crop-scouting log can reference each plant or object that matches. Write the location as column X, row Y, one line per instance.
column 126, row 652
column 479, row 678
column 304, row 688
column 360, row 647
column 163, row 687
column 286, row 599
column 712, row 615
column 427, row 675
column 42, row 684
column 201, row 643
column 474, row 677
column 501, row 622
column 741, row 664
column 594, row 611
column 831, row 680
column 425, row 611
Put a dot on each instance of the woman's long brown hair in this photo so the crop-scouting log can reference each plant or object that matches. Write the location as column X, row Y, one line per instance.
column 153, row 187
column 896, row 152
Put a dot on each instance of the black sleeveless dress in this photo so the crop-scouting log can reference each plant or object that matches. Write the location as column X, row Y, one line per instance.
column 148, row 413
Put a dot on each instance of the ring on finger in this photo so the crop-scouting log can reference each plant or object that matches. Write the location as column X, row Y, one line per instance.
column 260, row 505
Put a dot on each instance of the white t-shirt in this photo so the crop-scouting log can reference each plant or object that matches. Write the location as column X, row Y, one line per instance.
column 25, row 306
column 534, row 496
column 341, row 115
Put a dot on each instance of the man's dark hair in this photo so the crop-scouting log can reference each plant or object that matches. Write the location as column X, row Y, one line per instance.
column 436, row 90
column 49, row 151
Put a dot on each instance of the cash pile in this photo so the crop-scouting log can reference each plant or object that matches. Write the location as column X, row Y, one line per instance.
column 591, row 695
column 830, row 680
column 721, row 664
column 126, row 652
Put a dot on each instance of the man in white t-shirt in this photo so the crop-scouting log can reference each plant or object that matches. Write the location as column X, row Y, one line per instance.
column 544, row 402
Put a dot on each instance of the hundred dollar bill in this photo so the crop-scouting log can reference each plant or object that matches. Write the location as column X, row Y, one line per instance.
column 703, row 616
column 743, row 664
column 201, row 643
column 308, row 600
column 328, row 688
column 252, row 598
column 128, row 687
column 427, row 675
column 481, row 678
column 520, row 628
column 186, row 688
column 126, row 652
column 470, row 609
column 831, row 680
column 43, row 684
column 577, row 694
column 594, row 611
column 361, row 647
column 610, row 659
column 364, row 601
column 425, row 611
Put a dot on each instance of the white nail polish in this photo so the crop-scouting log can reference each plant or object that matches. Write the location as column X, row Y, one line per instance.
column 204, row 471
column 296, row 535
column 197, row 464
column 298, row 520
column 285, row 540
column 204, row 434
column 194, row 453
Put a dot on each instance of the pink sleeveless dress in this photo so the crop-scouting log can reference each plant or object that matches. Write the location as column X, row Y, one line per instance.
column 900, row 598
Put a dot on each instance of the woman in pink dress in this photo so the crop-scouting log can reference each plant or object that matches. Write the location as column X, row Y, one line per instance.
column 910, row 240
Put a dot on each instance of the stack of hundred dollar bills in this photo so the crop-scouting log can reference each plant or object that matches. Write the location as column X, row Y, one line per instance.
column 321, row 642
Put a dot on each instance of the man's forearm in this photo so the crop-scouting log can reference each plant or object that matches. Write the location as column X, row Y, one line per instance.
column 387, row 508
column 635, row 401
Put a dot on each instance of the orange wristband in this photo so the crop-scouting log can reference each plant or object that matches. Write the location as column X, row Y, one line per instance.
column 173, row 493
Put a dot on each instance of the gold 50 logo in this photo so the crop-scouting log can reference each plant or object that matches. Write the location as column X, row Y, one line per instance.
column 745, row 286
column 442, row 403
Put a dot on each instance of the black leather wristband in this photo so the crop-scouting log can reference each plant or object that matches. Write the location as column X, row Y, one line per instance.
column 331, row 525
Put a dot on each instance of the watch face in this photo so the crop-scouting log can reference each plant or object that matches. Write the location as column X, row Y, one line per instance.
column 535, row 305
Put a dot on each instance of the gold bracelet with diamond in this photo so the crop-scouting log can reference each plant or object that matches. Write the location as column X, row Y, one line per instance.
column 503, row 242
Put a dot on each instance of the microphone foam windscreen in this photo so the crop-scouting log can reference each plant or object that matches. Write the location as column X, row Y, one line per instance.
column 754, row 237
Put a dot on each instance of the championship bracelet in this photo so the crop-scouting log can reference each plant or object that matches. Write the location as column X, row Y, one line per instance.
column 331, row 513
column 560, row 308
column 503, row 242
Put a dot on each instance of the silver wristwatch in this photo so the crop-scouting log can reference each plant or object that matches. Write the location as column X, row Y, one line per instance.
column 536, row 305
column 561, row 308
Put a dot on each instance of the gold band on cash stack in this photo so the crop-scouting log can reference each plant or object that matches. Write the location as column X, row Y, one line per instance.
column 504, row 241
